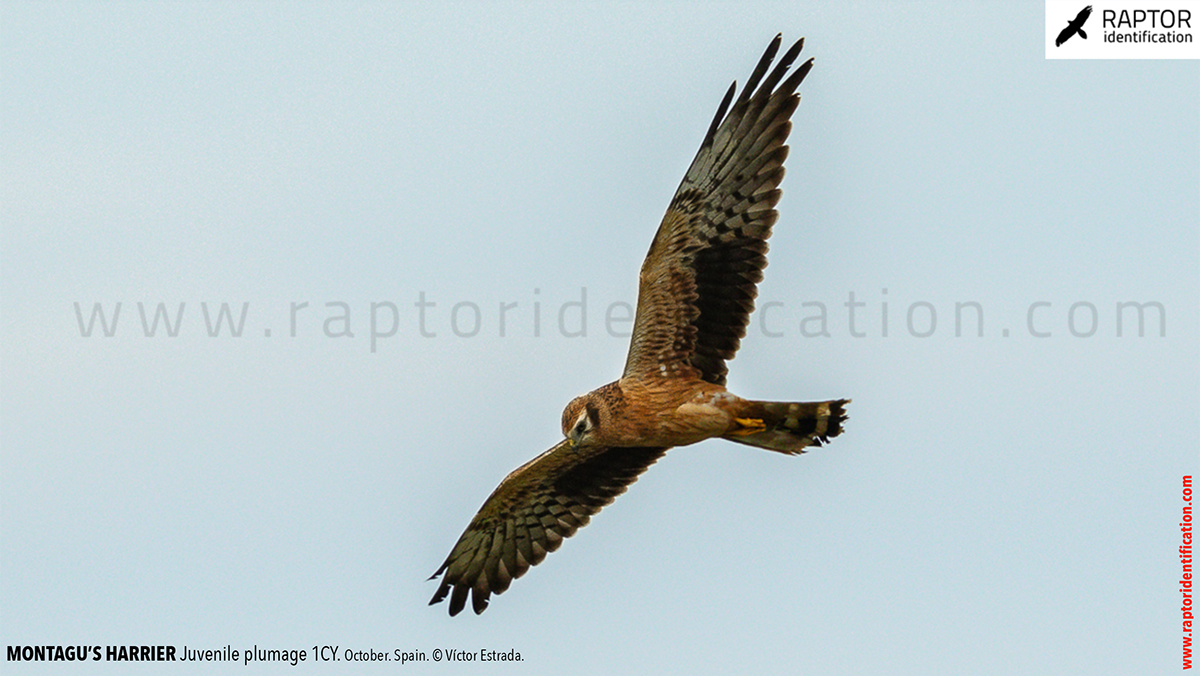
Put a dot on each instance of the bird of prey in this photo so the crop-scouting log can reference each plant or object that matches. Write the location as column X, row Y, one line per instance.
column 696, row 292
column 1076, row 26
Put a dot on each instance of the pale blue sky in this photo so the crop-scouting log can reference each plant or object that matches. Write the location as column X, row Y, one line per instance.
column 999, row 504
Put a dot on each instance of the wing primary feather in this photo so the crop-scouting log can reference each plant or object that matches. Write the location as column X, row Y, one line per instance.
column 784, row 63
column 721, row 110
column 458, row 600
column 756, row 113
column 763, row 64
column 479, row 595
column 765, row 100
column 793, row 81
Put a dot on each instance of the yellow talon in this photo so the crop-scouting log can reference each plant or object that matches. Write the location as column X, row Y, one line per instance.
column 749, row 426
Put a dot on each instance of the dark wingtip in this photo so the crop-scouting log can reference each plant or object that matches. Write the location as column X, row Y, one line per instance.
column 440, row 594
column 797, row 77
column 793, row 52
column 721, row 110
column 761, row 69
column 756, row 79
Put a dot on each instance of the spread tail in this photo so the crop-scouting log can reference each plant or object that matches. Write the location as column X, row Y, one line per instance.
column 787, row 427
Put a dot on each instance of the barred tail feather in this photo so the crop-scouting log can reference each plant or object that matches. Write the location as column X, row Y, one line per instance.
column 790, row 427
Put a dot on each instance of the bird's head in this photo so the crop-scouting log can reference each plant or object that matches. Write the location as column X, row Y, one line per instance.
column 581, row 419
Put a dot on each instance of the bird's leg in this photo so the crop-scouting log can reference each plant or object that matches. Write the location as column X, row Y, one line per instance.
column 748, row 426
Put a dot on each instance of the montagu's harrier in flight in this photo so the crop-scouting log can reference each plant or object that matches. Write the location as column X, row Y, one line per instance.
column 696, row 292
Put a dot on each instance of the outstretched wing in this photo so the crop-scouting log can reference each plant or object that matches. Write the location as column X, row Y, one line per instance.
column 530, row 512
column 698, row 282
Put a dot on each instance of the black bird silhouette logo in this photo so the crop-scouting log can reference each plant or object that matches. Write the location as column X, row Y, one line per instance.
column 1076, row 26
